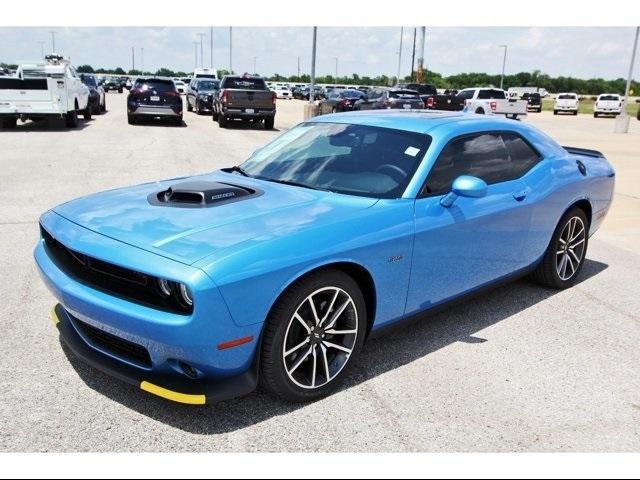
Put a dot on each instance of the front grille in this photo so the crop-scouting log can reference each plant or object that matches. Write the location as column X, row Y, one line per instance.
column 113, row 279
column 119, row 347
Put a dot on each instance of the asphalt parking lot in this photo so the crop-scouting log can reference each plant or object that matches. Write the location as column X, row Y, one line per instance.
column 519, row 369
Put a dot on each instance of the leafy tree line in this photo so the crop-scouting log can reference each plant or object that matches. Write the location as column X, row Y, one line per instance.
column 593, row 86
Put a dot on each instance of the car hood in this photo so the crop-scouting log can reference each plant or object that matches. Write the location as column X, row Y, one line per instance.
column 190, row 234
column 206, row 92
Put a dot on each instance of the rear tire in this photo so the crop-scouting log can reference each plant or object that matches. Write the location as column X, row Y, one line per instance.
column 178, row 121
column 293, row 376
column 480, row 111
column 595, row 115
column 189, row 108
column 269, row 122
column 214, row 116
column 564, row 258
column 555, row 112
column 222, row 121
column 131, row 120
column 9, row 123
column 86, row 113
column 71, row 119
column 575, row 114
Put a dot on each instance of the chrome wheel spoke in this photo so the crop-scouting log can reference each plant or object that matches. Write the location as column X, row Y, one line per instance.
column 337, row 347
column 573, row 254
column 341, row 332
column 302, row 322
column 338, row 312
column 296, row 348
column 325, row 361
column 575, row 244
column 300, row 360
column 577, row 235
column 313, row 310
column 333, row 302
column 315, row 367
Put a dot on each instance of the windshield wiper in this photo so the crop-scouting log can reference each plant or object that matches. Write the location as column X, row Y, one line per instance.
column 239, row 169
column 295, row 184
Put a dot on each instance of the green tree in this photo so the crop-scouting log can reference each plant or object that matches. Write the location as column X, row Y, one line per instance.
column 85, row 69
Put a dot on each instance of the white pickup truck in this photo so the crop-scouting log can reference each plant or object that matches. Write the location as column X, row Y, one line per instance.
column 492, row 101
column 566, row 102
column 608, row 104
column 42, row 90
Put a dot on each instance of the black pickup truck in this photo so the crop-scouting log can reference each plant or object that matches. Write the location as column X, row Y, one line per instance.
column 449, row 101
column 534, row 101
column 246, row 98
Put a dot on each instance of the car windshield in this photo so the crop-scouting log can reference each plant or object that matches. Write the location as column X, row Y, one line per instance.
column 208, row 85
column 342, row 158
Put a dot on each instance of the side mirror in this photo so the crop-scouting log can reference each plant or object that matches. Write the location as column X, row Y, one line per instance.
column 465, row 186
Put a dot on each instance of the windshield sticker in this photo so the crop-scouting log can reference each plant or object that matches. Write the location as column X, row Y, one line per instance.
column 413, row 151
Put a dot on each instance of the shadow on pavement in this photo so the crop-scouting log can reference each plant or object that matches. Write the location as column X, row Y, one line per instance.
column 404, row 345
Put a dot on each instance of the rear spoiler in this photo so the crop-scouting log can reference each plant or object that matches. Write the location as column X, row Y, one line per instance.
column 584, row 151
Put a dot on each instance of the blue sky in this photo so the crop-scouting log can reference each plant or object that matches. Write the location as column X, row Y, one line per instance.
column 577, row 51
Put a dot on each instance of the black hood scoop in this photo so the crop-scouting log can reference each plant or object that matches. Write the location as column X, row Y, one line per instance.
column 201, row 194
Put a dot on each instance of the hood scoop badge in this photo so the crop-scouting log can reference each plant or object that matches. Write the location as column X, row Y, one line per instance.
column 201, row 194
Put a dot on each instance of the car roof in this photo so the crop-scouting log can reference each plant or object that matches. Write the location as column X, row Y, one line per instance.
column 418, row 121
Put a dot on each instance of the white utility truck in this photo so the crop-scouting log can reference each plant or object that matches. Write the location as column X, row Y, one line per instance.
column 39, row 90
column 492, row 101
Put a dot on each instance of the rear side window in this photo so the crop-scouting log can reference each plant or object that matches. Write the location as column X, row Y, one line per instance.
column 493, row 157
column 490, row 94
column 245, row 83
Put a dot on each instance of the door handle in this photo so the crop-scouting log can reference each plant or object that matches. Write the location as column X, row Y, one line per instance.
column 520, row 195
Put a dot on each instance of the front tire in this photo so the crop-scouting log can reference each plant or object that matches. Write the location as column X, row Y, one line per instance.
column 222, row 121
column 86, row 113
column 71, row 119
column 566, row 252
column 9, row 123
column 269, row 122
column 311, row 336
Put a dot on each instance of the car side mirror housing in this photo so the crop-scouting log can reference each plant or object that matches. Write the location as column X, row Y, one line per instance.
column 465, row 186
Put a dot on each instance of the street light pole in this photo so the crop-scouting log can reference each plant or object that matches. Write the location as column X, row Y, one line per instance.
column 420, row 72
column 254, row 65
column 230, row 49
column 133, row 58
column 312, row 82
column 400, row 56
column 504, row 63
column 413, row 54
column 201, row 35
column 41, row 49
column 211, row 45
column 336, row 77
column 53, row 41
column 195, row 53
column 142, row 60
column 622, row 121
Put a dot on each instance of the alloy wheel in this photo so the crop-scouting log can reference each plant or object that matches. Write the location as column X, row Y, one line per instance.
column 320, row 337
column 571, row 247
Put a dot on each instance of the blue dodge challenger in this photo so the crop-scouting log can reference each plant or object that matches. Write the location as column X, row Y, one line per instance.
column 277, row 270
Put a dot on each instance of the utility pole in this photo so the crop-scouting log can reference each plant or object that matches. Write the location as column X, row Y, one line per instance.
column 309, row 109
column 42, row 49
column 400, row 55
column 201, row 35
column 53, row 41
column 298, row 67
column 211, row 45
column 230, row 49
column 420, row 73
column 413, row 54
column 336, row 77
column 195, row 51
column 133, row 58
column 504, row 63
column 142, row 60
column 622, row 121
column 254, row 65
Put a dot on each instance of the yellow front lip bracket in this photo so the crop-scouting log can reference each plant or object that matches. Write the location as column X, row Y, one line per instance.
column 54, row 317
column 173, row 396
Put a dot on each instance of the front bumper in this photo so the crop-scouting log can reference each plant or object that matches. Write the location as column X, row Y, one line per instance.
column 170, row 340
column 169, row 387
